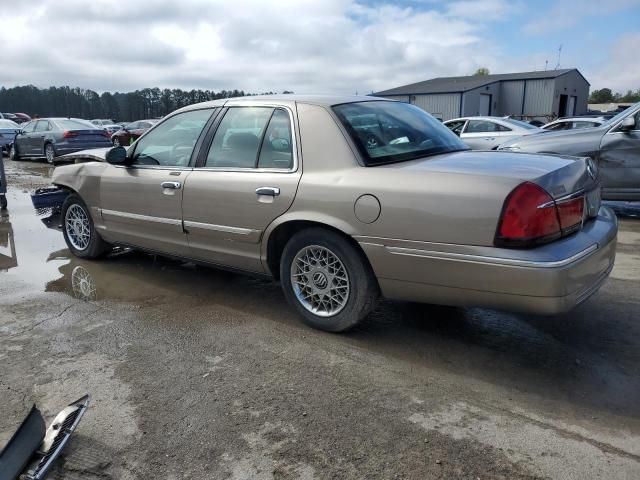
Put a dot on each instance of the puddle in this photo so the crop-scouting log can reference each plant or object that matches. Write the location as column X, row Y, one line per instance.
column 25, row 243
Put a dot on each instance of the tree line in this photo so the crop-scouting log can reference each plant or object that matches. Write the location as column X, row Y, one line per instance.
column 605, row 95
column 119, row 106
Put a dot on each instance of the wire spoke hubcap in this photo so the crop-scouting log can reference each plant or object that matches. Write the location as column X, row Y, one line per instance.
column 77, row 226
column 320, row 281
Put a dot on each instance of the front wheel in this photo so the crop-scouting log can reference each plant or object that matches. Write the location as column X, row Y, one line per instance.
column 49, row 153
column 327, row 280
column 3, row 202
column 13, row 153
column 79, row 232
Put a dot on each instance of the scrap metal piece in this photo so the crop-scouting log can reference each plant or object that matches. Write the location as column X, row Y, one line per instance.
column 57, row 436
column 16, row 454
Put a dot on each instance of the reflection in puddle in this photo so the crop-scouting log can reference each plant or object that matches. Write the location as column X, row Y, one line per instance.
column 8, row 257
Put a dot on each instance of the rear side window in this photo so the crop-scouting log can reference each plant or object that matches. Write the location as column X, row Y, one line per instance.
column 252, row 137
column 42, row 126
column 277, row 148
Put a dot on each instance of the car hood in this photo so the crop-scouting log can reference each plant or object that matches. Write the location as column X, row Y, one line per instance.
column 91, row 155
column 550, row 136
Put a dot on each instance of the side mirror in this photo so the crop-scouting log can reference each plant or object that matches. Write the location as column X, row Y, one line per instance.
column 627, row 124
column 117, row 156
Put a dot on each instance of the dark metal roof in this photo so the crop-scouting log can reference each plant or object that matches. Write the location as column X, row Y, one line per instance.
column 463, row 84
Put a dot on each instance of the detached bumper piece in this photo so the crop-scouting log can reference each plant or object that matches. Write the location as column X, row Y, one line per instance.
column 48, row 197
column 57, row 436
column 32, row 444
column 15, row 456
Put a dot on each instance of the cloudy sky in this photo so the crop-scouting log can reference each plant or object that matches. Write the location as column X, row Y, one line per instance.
column 310, row 46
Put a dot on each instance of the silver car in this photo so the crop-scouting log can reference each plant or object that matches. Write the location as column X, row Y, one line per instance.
column 487, row 133
column 573, row 123
column 344, row 200
column 613, row 146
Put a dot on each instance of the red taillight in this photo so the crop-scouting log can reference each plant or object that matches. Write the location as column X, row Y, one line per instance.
column 571, row 213
column 530, row 216
column 69, row 134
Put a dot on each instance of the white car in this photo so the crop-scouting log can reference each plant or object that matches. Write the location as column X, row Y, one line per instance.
column 573, row 123
column 486, row 133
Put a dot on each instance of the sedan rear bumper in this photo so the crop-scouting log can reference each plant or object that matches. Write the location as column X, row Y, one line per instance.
column 548, row 280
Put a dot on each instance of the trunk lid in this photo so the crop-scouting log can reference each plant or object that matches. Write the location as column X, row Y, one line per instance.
column 86, row 136
column 557, row 174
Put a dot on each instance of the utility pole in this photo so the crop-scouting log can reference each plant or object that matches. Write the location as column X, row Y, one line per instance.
column 559, row 53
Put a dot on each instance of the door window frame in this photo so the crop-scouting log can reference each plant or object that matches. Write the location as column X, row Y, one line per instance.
column 215, row 111
column 201, row 160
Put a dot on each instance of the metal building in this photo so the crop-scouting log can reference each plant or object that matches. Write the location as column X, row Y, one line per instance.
column 544, row 95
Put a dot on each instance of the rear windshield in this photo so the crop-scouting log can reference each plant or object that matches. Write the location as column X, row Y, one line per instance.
column 387, row 132
column 520, row 123
column 69, row 124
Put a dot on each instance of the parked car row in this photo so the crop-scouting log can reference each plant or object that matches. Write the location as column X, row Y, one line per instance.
column 16, row 117
column 51, row 137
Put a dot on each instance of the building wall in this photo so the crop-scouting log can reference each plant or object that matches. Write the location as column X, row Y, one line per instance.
column 511, row 94
column 571, row 84
column 471, row 100
column 538, row 97
column 442, row 105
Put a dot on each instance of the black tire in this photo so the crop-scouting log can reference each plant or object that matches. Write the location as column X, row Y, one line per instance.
column 363, row 286
column 3, row 202
column 13, row 153
column 49, row 152
column 96, row 246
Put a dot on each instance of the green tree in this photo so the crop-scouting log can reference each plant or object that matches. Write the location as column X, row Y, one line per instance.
column 604, row 95
column 481, row 71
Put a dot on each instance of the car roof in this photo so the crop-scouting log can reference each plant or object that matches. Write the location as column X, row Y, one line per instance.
column 579, row 119
column 286, row 99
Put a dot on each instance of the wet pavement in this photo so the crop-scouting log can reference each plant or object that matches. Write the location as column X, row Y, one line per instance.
column 198, row 373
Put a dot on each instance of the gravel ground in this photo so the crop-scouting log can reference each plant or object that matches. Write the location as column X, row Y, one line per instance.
column 202, row 374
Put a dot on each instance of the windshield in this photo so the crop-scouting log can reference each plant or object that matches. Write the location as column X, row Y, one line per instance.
column 520, row 123
column 620, row 116
column 387, row 132
column 9, row 124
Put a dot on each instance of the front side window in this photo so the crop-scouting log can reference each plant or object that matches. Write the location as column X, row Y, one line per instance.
column 584, row 124
column 456, row 126
column 559, row 126
column 236, row 143
column 28, row 127
column 172, row 142
column 387, row 132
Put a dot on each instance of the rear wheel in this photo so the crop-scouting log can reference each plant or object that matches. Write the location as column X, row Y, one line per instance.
column 13, row 153
column 79, row 232
column 3, row 201
column 327, row 280
column 49, row 152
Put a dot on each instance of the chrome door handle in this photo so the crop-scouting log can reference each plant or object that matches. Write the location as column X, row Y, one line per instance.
column 173, row 185
column 271, row 191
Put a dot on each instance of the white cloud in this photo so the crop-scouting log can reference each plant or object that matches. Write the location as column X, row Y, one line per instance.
column 621, row 72
column 308, row 46
column 305, row 46
column 568, row 13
